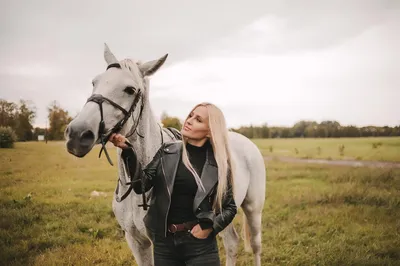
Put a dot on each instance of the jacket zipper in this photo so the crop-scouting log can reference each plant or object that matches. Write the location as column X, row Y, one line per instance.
column 169, row 204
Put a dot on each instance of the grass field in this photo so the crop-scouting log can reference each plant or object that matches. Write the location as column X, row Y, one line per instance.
column 313, row 215
column 369, row 149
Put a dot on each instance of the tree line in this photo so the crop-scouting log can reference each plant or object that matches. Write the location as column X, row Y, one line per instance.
column 20, row 117
column 312, row 129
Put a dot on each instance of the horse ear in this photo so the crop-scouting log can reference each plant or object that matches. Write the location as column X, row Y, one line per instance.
column 149, row 68
column 108, row 56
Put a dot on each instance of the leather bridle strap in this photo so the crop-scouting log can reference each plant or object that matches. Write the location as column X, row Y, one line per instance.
column 99, row 99
column 104, row 136
column 116, row 65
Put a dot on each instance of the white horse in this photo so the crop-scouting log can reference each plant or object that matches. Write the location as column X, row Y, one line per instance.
column 125, row 86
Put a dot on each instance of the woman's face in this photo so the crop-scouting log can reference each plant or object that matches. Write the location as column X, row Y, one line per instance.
column 196, row 125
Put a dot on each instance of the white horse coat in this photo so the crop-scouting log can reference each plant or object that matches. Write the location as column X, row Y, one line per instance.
column 83, row 133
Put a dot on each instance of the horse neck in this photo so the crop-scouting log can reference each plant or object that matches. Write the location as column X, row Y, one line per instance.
column 149, row 129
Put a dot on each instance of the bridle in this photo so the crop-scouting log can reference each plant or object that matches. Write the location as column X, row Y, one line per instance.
column 103, row 135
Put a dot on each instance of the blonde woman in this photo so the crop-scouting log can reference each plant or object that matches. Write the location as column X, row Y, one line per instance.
column 192, row 181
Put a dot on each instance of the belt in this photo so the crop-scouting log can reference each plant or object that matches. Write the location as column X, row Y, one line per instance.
column 173, row 228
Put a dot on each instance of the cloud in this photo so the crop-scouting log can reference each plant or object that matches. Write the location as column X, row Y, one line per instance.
column 32, row 70
column 357, row 73
column 295, row 60
column 295, row 30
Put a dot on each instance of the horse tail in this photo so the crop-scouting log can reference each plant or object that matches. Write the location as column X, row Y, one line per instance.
column 246, row 234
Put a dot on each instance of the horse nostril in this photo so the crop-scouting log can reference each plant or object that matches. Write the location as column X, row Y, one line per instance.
column 87, row 138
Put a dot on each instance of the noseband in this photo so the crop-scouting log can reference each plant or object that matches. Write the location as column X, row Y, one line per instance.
column 105, row 135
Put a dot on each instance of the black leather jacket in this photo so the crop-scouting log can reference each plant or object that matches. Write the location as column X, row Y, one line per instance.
column 160, row 173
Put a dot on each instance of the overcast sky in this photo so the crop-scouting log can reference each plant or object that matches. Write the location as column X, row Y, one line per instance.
column 272, row 62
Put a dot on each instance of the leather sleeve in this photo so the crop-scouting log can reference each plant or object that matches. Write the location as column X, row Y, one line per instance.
column 147, row 174
column 206, row 224
column 229, row 211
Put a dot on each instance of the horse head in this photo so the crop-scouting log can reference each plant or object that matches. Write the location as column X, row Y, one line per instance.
column 117, row 99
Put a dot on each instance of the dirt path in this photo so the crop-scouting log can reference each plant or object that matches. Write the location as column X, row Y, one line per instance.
column 353, row 163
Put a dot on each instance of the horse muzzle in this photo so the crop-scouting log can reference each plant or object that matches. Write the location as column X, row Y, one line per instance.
column 79, row 142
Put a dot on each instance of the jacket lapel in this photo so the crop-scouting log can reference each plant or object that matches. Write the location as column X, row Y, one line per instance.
column 209, row 177
column 170, row 164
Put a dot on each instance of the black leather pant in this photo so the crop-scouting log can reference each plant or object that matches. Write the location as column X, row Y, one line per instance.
column 182, row 248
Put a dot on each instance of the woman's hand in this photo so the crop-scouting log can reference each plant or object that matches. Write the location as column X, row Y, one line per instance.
column 199, row 233
column 118, row 140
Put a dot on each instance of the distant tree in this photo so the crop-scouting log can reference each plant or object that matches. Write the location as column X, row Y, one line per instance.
column 286, row 133
column 170, row 121
column 265, row 131
column 250, row 131
column 58, row 120
column 8, row 114
column 386, row 131
column 274, row 132
column 322, row 131
column 396, row 131
column 19, row 117
column 331, row 128
column 298, row 130
column 350, row 131
column 311, row 130
column 25, row 116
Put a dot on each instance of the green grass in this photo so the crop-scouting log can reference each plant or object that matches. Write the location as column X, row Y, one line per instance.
column 369, row 149
column 58, row 224
column 313, row 215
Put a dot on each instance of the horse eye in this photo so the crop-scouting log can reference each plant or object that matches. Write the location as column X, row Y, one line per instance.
column 130, row 90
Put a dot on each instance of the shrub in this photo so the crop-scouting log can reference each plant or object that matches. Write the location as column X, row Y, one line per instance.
column 7, row 137
column 376, row 145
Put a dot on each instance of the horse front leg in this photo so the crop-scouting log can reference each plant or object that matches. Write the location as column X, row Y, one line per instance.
column 141, row 248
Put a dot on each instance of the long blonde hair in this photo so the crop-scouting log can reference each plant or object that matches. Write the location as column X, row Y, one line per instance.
column 222, row 153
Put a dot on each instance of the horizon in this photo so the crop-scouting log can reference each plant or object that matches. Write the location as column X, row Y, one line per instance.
column 268, row 125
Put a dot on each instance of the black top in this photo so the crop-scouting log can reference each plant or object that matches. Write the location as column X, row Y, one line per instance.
column 185, row 187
